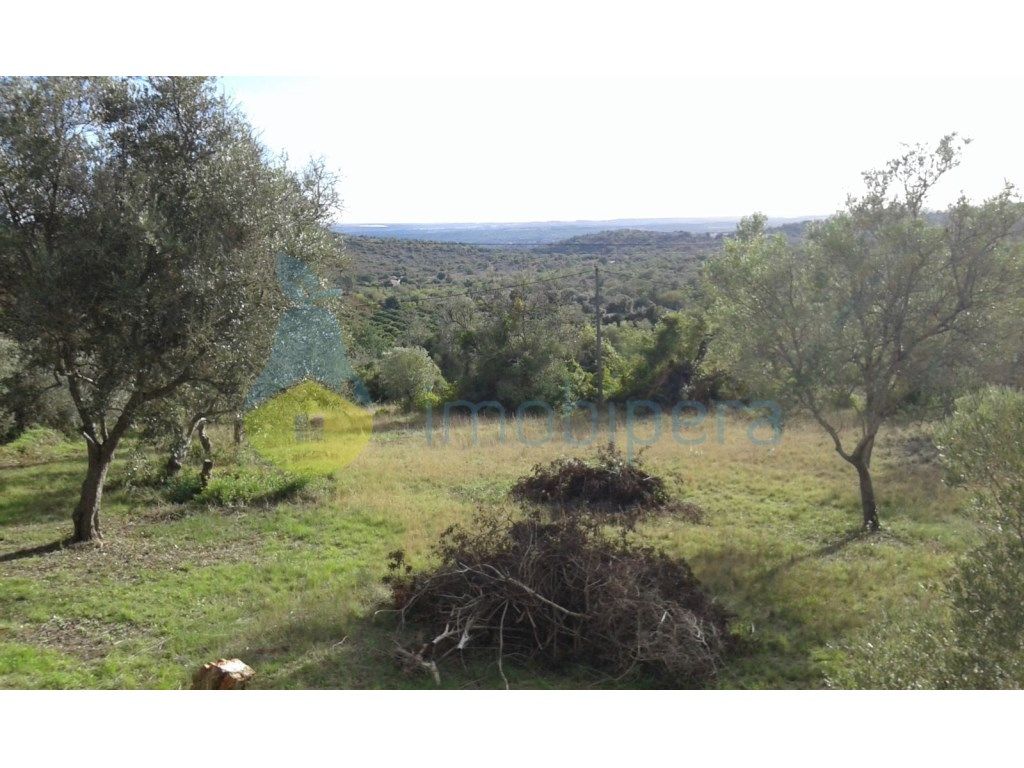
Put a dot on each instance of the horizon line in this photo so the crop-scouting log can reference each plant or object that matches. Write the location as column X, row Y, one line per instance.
column 659, row 219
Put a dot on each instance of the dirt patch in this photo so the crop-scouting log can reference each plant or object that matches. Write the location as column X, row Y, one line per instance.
column 87, row 639
column 125, row 555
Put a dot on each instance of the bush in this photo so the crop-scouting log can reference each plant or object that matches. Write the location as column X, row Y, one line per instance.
column 988, row 613
column 917, row 652
column 983, row 449
column 9, row 366
column 408, row 375
column 141, row 473
column 28, row 397
column 309, row 430
column 973, row 638
column 608, row 484
column 560, row 592
column 238, row 486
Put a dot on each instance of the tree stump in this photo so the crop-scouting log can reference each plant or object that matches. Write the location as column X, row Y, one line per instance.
column 222, row 675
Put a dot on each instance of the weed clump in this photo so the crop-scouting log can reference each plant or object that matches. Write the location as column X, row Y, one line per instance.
column 607, row 485
column 239, row 486
column 559, row 591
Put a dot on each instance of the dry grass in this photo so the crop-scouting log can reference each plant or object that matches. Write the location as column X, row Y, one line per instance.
column 292, row 589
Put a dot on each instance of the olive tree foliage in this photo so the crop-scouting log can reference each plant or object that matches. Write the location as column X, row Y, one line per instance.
column 234, row 364
column 983, row 449
column 8, row 369
column 876, row 300
column 409, row 376
column 525, row 348
column 30, row 397
column 140, row 220
column 982, row 446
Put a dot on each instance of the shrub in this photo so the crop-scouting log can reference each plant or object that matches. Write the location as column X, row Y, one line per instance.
column 560, row 592
column 919, row 651
column 141, row 472
column 239, row 486
column 988, row 612
column 971, row 638
column 28, row 397
column 983, row 449
column 283, row 430
column 409, row 375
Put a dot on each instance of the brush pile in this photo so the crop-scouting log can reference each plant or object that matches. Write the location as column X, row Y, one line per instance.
column 559, row 591
column 608, row 485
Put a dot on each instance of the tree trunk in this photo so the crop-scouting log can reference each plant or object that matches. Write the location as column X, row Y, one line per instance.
column 176, row 459
column 239, row 429
column 204, row 439
column 204, row 475
column 860, row 458
column 182, row 443
column 868, row 506
column 86, row 516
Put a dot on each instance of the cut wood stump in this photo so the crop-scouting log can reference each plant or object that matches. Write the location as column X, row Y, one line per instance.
column 222, row 675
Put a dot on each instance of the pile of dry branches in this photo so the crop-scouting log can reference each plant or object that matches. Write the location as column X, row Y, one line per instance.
column 608, row 485
column 559, row 591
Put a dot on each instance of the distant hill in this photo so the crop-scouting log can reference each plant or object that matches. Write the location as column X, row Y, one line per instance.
column 397, row 289
column 397, row 263
column 519, row 234
column 628, row 242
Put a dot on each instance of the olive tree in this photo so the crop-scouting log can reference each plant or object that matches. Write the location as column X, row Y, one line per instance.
column 140, row 220
column 871, row 303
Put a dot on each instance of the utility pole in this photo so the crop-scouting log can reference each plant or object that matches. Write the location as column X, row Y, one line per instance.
column 600, row 345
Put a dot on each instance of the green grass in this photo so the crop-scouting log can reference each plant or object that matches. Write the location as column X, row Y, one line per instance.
column 36, row 444
column 292, row 587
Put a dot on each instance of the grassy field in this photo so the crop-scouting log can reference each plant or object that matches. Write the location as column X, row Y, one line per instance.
column 291, row 588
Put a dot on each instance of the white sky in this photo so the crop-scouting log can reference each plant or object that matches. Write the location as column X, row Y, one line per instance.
column 527, row 150
column 461, row 110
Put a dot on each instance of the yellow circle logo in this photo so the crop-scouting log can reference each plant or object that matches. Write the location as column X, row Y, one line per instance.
column 309, row 429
